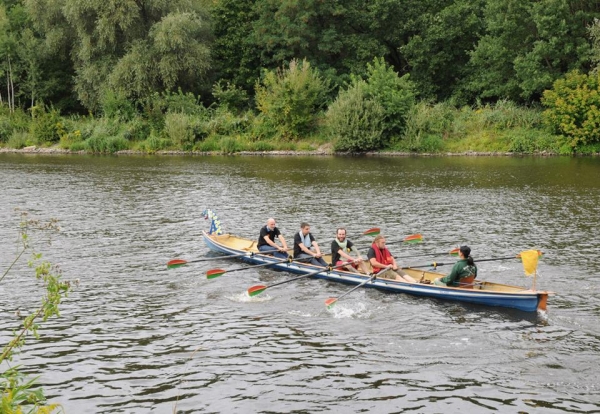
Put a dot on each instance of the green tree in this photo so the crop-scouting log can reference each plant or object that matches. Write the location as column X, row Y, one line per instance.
column 394, row 93
column 235, row 54
column 137, row 47
column 439, row 53
column 527, row 45
column 594, row 31
column 573, row 108
column 290, row 98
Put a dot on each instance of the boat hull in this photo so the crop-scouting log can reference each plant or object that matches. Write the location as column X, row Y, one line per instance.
column 482, row 293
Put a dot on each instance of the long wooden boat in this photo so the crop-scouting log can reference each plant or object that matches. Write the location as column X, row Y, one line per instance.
column 483, row 293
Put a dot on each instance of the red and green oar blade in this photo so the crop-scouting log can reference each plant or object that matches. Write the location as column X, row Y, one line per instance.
column 454, row 252
column 330, row 302
column 171, row 264
column 413, row 238
column 214, row 273
column 256, row 290
column 372, row 232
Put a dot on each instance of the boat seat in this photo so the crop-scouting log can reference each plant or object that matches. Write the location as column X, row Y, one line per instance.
column 467, row 282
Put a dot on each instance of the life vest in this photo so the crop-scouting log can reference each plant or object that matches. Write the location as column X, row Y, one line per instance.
column 383, row 256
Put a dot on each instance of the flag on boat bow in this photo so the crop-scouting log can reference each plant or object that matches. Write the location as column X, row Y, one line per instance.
column 530, row 261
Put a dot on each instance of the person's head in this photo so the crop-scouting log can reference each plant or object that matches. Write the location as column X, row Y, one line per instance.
column 341, row 234
column 271, row 223
column 465, row 251
column 305, row 228
column 379, row 241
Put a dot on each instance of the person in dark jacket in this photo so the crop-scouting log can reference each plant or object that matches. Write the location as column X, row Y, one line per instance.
column 465, row 267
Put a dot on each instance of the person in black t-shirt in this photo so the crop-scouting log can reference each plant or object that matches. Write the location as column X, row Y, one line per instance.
column 267, row 237
column 340, row 249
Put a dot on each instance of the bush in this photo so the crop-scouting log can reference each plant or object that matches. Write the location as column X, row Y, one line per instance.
column 354, row 121
column 290, row 98
column 155, row 143
column 137, row 130
column 261, row 146
column 427, row 126
column 45, row 124
column 106, row 144
column 573, row 108
column 394, row 93
column 229, row 96
column 19, row 140
column 230, row 145
column 179, row 128
column 116, row 105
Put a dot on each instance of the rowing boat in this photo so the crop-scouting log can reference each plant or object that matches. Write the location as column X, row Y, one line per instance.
column 479, row 292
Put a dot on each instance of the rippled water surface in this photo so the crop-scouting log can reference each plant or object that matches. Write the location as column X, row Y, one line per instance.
column 135, row 337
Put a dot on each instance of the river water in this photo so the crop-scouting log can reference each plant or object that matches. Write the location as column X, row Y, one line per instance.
column 135, row 337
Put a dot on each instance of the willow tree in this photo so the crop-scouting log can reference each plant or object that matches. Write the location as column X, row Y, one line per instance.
column 138, row 47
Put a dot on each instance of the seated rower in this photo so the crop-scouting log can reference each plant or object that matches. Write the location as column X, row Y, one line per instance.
column 339, row 250
column 266, row 240
column 381, row 258
column 305, row 246
column 462, row 271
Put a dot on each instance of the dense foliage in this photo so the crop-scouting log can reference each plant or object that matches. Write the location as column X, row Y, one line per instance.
column 242, row 62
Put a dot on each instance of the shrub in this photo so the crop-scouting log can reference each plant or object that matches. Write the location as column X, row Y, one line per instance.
column 261, row 146
column 394, row 93
column 116, row 105
column 573, row 108
column 19, row 140
column 229, row 96
column 230, row 145
column 290, row 98
column 155, row 143
column 45, row 124
column 179, row 128
column 106, row 144
column 137, row 130
column 427, row 126
column 354, row 121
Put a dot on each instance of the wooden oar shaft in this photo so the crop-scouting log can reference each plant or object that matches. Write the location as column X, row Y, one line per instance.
column 356, row 287
column 206, row 259
column 436, row 264
column 267, row 264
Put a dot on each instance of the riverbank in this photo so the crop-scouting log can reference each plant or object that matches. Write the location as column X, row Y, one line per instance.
column 318, row 152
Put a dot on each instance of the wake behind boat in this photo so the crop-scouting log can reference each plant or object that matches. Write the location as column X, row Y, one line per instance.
column 483, row 293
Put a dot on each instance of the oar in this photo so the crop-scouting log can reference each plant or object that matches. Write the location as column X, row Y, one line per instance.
column 372, row 231
column 258, row 289
column 412, row 239
column 171, row 264
column 453, row 252
column 331, row 301
column 436, row 264
column 213, row 273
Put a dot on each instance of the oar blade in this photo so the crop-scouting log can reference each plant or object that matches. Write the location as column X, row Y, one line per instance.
column 330, row 302
column 172, row 264
column 454, row 252
column 256, row 290
column 372, row 232
column 413, row 238
column 214, row 273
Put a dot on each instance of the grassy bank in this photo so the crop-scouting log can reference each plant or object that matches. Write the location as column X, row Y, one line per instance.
column 430, row 128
